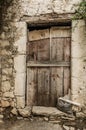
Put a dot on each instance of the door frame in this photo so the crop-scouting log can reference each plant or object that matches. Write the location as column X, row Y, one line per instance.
column 63, row 23
column 77, row 37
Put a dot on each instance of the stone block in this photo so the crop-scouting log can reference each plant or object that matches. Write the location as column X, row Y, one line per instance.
column 43, row 6
column 12, row 104
column 5, row 52
column 14, row 111
column 20, row 81
column 5, row 103
column 7, row 71
column 68, row 127
column 4, row 77
column 8, row 95
column 2, row 36
column 78, row 54
column 21, row 39
column 78, row 32
column 49, row 6
column 20, row 101
column 4, row 43
column 1, row 121
column 20, row 63
column 80, row 115
column 1, row 116
column 26, row 112
column 46, row 111
column 5, row 86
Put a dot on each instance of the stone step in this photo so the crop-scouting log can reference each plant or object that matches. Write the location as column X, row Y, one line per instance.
column 46, row 111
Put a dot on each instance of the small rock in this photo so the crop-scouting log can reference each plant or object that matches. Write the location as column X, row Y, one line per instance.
column 8, row 94
column 12, row 104
column 1, row 116
column 53, row 118
column 20, row 118
column 31, row 119
column 68, row 128
column 6, row 85
column 26, row 119
column 1, row 110
column 2, row 35
column 1, row 121
column 80, row 114
column 40, row 119
column 14, row 111
column 68, row 118
column 84, row 110
column 5, row 103
column 45, row 119
column 26, row 112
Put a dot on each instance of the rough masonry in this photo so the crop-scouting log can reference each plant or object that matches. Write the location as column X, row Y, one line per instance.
column 15, row 16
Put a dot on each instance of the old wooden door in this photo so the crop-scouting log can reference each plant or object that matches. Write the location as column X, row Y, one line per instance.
column 48, row 65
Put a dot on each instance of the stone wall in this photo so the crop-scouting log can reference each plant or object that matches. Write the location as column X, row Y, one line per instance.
column 7, row 52
column 78, row 62
column 13, row 39
column 13, row 64
column 15, row 10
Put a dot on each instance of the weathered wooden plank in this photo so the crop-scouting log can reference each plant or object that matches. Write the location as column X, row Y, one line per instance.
column 38, row 34
column 67, row 49
column 43, row 100
column 43, row 50
column 59, row 32
column 31, row 86
column 57, row 49
column 66, row 80
column 39, row 50
column 33, row 47
column 29, row 64
column 56, row 89
column 43, row 86
column 47, row 19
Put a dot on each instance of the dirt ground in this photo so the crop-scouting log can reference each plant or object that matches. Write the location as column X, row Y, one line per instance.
column 38, row 125
column 27, row 125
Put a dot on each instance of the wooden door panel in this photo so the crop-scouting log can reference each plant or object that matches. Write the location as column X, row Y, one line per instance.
column 57, row 81
column 43, row 100
column 32, row 56
column 32, row 86
column 43, row 86
column 38, row 34
column 66, row 80
column 57, row 49
column 60, row 32
column 56, row 89
column 39, row 50
column 67, row 47
column 43, row 80
column 44, row 50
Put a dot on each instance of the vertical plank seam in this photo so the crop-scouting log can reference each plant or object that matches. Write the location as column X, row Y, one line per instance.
column 50, row 42
column 63, row 83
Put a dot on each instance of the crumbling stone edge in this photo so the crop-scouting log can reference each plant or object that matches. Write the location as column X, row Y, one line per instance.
column 49, row 114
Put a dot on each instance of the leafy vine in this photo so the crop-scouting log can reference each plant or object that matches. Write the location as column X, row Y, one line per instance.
column 80, row 12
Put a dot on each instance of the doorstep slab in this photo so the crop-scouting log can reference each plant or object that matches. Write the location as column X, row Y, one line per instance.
column 46, row 111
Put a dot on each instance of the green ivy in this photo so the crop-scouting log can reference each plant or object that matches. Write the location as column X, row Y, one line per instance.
column 80, row 13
